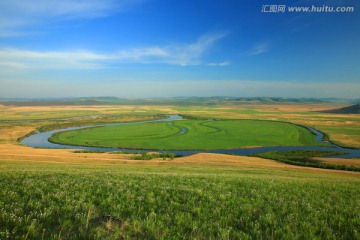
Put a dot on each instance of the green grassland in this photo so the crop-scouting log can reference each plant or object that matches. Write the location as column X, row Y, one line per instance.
column 170, row 201
column 305, row 113
column 58, row 194
column 200, row 135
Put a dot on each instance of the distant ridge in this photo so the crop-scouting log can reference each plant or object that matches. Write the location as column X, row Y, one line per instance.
column 354, row 109
column 270, row 100
column 186, row 101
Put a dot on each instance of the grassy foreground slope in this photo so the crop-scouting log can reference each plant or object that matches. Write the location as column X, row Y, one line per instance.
column 205, row 196
column 58, row 194
column 200, row 135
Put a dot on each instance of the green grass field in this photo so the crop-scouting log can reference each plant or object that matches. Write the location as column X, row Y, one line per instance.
column 60, row 201
column 200, row 135
column 62, row 194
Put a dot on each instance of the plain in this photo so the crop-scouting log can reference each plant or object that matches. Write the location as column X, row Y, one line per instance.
column 60, row 194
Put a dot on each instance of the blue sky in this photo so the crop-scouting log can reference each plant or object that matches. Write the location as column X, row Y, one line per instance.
column 166, row 48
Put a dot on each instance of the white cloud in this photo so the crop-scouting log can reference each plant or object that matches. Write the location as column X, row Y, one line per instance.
column 259, row 49
column 221, row 64
column 71, row 8
column 9, row 26
column 15, row 15
column 34, row 59
column 177, row 54
column 190, row 54
column 142, row 55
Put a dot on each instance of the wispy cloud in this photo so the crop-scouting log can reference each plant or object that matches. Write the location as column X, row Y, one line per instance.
column 34, row 59
column 220, row 64
column 175, row 54
column 190, row 54
column 15, row 15
column 259, row 49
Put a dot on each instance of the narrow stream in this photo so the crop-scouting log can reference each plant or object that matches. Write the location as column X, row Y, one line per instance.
column 40, row 140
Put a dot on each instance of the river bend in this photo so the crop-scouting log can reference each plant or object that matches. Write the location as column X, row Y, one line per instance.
column 40, row 140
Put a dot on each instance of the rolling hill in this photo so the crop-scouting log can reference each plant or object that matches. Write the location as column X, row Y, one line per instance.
column 353, row 109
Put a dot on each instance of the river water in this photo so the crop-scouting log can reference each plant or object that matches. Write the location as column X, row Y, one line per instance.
column 40, row 140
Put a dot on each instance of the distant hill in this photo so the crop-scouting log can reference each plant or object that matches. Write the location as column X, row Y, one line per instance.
column 354, row 109
column 278, row 100
column 180, row 101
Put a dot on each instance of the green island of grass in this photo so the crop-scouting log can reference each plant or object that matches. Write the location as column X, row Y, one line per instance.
column 199, row 135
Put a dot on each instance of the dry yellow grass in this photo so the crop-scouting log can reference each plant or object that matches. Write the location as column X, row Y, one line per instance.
column 43, row 112
column 23, row 154
column 222, row 159
column 346, row 140
column 339, row 161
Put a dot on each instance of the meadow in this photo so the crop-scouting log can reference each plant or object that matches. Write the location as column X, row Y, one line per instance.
column 67, row 194
column 200, row 134
column 194, row 198
column 343, row 129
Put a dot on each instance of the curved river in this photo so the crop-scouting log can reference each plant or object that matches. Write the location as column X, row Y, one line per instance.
column 40, row 140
